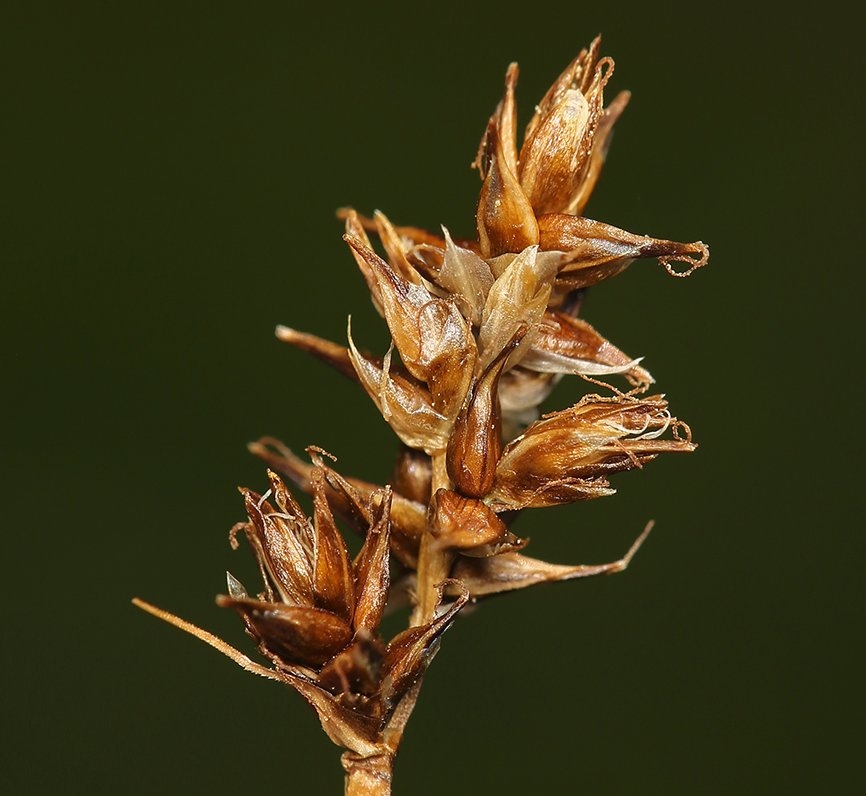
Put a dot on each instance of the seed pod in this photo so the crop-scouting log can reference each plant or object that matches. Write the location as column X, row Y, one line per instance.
column 291, row 633
column 462, row 523
column 504, row 217
column 567, row 455
column 475, row 443
column 333, row 583
column 413, row 475
column 592, row 251
column 564, row 344
column 556, row 154
column 281, row 541
column 411, row 651
column 372, row 577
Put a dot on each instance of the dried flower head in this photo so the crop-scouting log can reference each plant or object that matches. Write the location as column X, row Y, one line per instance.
column 481, row 332
column 317, row 618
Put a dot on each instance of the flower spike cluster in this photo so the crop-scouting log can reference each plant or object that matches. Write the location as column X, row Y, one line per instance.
column 317, row 619
column 481, row 331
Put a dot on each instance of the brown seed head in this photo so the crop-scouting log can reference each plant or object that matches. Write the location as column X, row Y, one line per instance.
column 483, row 330
column 567, row 455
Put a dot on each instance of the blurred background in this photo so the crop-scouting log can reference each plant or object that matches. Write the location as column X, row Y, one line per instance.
column 170, row 176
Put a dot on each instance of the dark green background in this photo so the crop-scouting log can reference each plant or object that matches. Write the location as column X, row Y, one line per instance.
column 170, row 174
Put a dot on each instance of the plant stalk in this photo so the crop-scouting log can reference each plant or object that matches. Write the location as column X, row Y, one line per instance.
column 434, row 561
column 368, row 776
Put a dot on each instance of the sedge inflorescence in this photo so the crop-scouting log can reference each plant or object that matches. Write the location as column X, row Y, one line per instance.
column 481, row 332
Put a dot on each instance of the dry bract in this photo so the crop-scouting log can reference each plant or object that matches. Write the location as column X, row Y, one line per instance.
column 482, row 330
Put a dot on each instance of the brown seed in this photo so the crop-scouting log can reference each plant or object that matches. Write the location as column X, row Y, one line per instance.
column 292, row 634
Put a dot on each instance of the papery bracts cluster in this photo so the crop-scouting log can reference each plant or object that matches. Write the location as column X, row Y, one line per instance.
column 482, row 330
column 317, row 619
